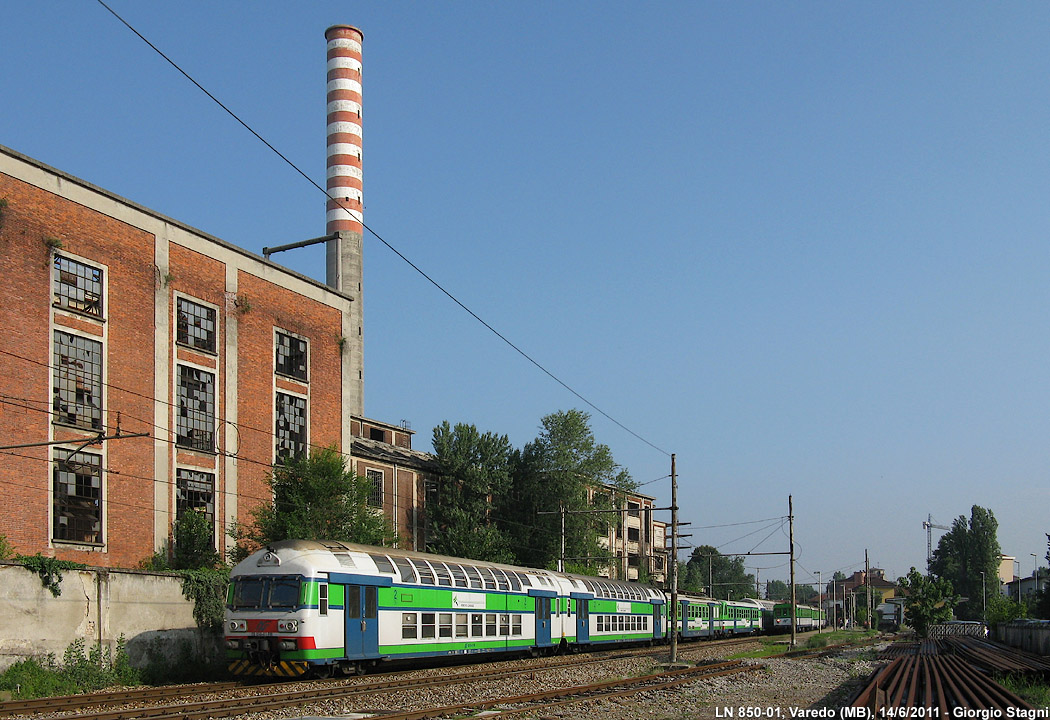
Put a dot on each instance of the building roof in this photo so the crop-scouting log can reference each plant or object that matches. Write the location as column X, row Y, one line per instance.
column 395, row 454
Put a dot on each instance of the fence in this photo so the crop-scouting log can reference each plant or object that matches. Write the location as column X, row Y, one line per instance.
column 1030, row 635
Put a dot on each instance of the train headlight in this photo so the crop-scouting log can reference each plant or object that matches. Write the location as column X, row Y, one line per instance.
column 233, row 644
column 288, row 644
column 238, row 626
column 288, row 626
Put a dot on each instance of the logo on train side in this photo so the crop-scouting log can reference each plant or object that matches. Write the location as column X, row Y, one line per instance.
column 468, row 601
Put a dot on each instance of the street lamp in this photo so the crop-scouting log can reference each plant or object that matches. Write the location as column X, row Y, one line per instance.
column 984, row 599
column 1017, row 579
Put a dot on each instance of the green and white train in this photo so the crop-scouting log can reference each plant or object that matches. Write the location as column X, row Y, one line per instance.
column 300, row 606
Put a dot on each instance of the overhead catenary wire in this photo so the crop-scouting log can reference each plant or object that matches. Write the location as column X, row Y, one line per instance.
column 388, row 245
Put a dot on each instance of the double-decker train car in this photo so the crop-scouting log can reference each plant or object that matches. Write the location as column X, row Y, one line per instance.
column 703, row 617
column 300, row 606
column 807, row 617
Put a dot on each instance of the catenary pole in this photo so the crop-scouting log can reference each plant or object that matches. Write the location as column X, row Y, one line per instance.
column 674, row 562
column 791, row 541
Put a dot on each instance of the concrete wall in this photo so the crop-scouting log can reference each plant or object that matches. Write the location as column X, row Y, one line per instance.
column 1029, row 635
column 98, row 606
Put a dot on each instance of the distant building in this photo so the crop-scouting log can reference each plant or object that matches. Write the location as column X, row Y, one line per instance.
column 636, row 541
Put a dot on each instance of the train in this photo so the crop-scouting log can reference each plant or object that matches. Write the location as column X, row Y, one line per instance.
column 305, row 607
column 807, row 617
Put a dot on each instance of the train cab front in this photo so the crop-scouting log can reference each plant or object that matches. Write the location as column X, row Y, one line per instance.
column 265, row 633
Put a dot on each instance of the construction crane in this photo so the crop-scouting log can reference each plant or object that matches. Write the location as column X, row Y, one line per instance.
column 928, row 524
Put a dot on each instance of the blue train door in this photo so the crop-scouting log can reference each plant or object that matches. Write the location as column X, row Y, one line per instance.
column 543, row 616
column 583, row 621
column 362, row 621
column 658, row 616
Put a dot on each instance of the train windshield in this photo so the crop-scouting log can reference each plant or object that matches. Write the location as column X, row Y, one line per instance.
column 265, row 592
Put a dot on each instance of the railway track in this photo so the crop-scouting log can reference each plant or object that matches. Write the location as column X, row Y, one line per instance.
column 180, row 701
column 930, row 676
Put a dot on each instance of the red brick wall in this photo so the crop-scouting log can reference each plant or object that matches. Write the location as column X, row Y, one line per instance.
column 134, row 286
column 33, row 215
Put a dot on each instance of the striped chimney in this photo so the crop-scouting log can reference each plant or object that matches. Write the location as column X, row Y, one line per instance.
column 344, row 145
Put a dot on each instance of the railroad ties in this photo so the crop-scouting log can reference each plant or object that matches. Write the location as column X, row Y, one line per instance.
column 947, row 674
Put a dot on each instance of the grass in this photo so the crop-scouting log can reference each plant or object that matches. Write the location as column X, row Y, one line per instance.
column 1034, row 690
column 776, row 645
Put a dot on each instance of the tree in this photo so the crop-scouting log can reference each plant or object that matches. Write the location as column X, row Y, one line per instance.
column 963, row 553
column 778, row 591
column 564, row 467
column 194, row 546
column 315, row 497
column 473, row 470
column 721, row 575
column 928, row 600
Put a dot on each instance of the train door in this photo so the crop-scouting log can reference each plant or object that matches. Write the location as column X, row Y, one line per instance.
column 543, row 616
column 658, row 616
column 362, row 621
column 714, row 619
column 583, row 620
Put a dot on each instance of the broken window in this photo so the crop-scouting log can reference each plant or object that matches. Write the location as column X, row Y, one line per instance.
column 77, row 286
column 195, row 325
column 77, row 497
column 196, row 419
column 77, row 390
column 291, row 356
column 194, row 490
column 375, row 497
column 290, row 431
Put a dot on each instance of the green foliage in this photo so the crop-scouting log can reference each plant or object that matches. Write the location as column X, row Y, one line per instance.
column 81, row 670
column 778, row 591
column 558, row 470
column 718, row 574
column 207, row 588
column 194, row 546
column 1003, row 609
column 928, row 600
column 3, row 207
column 315, row 497
column 6, row 551
column 963, row 553
column 49, row 569
column 473, row 468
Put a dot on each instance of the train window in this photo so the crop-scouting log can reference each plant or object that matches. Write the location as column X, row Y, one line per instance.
column 488, row 577
column 515, row 624
column 476, row 629
column 426, row 575
column 409, row 631
column 459, row 577
column 247, row 593
column 525, row 581
column 515, row 583
column 601, row 623
column 371, row 602
column 322, row 598
column 504, row 625
column 353, row 601
column 587, row 584
column 445, row 625
column 408, row 575
column 490, row 625
column 501, row 579
column 428, row 625
column 284, row 593
column 461, row 625
column 383, row 563
column 474, row 577
column 443, row 575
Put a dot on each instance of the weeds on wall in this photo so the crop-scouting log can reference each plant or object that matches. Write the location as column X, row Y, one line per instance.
column 49, row 569
column 6, row 551
column 207, row 589
column 81, row 670
column 3, row 207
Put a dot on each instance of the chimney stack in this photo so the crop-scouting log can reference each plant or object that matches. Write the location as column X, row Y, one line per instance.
column 344, row 182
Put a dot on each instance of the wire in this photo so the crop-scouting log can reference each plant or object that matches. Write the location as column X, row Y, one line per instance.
column 390, row 247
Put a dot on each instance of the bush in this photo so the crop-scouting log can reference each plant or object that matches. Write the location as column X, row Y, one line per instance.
column 81, row 670
column 817, row 641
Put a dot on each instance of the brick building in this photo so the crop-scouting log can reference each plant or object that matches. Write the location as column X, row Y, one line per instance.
column 166, row 370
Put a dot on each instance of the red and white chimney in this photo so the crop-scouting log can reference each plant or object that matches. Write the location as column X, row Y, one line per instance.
column 344, row 181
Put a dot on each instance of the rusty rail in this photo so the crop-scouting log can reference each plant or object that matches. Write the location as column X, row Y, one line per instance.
column 925, row 680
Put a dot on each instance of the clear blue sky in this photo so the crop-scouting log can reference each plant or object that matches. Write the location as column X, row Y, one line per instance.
column 803, row 246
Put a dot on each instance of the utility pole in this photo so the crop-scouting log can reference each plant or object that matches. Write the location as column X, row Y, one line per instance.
column 867, row 591
column 820, row 602
column 561, row 558
column 791, row 540
column 674, row 563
